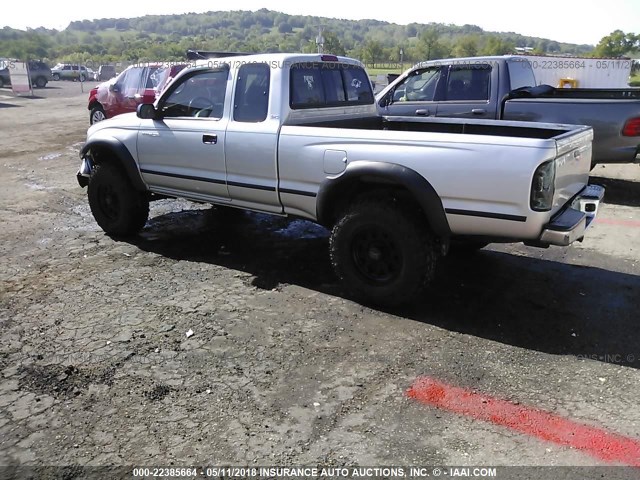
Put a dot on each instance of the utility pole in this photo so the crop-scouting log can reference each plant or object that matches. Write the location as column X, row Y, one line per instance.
column 320, row 39
column 401, row 60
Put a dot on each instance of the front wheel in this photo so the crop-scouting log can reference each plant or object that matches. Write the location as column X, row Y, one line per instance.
column 382, row 252
column 97, row 115
column 55, row 76
column 118, row 208
column 41, row 82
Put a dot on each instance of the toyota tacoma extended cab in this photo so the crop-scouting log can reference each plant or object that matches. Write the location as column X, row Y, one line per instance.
column 299, row 135
column 504, row 88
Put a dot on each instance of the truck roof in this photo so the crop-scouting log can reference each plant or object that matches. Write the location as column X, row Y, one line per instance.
column 276, row 59
column 471, row 60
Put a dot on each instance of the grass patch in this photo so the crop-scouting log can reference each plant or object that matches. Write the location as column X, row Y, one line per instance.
column 383, row 70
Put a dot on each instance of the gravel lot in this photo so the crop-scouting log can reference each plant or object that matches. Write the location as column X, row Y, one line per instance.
column 282, row 368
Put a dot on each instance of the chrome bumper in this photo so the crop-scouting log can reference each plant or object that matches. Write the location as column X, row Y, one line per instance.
column 84, row 172
column 570, row 224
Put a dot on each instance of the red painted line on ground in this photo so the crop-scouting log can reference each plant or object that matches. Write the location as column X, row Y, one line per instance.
column 624, row 223
column 599, row 443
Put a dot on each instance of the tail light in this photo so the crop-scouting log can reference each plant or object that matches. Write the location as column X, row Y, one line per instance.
column 543, row 187
column 329, row 58
column 632, row 128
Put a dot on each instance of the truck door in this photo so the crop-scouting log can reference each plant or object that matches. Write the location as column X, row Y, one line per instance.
column 416, row 94
column 467, row 92
column 252, row 141
column 181, row 152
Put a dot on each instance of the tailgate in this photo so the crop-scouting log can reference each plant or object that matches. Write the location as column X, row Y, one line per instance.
column 573, row 164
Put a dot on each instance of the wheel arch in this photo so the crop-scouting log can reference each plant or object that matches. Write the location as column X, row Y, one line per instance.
column 113, row 150
column 364, row 176
column 94, row 102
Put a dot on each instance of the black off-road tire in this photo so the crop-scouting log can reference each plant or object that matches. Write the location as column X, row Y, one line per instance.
column 383, row 252
column 118, row 208
column 1, row 82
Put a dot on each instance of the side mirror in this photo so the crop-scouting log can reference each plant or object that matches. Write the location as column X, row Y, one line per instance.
column 146, row 111
column 114, row 87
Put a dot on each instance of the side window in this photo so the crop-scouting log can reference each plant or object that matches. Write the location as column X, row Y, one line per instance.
column 199, row 95
column 314, row 85
column 419, row 86
column 129, row 81
column 468, row 83
column 306, row 87
column 357, row 85
column 520, row 74
column 152, row 77
column 252, row 93
column 67, row 67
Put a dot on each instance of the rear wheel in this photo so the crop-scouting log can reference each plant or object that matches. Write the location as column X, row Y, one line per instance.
column 55, row 76
column 97, row 114
column 382, row 252
column 118, row 208
column 1, row 82
column 41, row 82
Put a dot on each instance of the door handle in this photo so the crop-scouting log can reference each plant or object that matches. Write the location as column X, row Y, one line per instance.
column 422, row 111
column 478, row 111
column 151, row 134
column 210, row 139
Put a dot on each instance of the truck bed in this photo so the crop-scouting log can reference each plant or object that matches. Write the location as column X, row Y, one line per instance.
column 594, row 93
column 448, row 125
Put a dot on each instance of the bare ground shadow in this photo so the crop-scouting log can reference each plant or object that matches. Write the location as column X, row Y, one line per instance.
column 530, row 303
column 9, row 105
column 618, row 191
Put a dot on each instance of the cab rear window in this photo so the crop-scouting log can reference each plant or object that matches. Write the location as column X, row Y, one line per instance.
column 328, row 84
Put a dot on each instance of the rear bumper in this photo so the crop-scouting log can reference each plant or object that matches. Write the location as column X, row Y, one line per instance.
column 571, row 223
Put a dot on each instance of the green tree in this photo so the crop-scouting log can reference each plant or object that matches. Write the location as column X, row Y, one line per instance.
column 372, row 52
column 431, row 46
column 617, row 44
column 466, row 46
column 332, row 44
column 497, row 46
column 284, row 27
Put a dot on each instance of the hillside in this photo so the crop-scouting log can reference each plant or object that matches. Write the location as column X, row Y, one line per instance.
column 166, row 37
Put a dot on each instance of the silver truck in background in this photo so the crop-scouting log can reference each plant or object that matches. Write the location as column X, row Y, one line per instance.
column 504, row 88
column 299, row 135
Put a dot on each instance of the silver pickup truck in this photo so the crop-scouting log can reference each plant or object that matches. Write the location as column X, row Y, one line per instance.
column 505, row 88
column 299, row 135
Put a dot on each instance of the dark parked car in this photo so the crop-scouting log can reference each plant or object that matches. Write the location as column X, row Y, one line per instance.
column 137, row 84
column 106, row 72
column 39, row 73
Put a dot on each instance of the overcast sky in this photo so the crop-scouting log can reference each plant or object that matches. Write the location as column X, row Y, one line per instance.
column 577, row 21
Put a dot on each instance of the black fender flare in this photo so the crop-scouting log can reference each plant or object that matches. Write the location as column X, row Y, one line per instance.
column 386, row 174
column 123, row 157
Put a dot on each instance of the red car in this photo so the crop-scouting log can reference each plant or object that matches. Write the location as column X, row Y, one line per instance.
column 122, row 94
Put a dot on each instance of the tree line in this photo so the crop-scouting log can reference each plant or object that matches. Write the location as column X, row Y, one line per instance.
column 166, row 37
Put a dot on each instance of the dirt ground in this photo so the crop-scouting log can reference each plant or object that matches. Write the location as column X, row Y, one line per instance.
column 282, row 367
